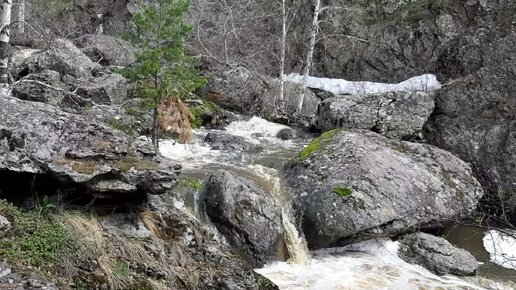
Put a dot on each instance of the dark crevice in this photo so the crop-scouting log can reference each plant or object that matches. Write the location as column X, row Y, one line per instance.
column 27, row 190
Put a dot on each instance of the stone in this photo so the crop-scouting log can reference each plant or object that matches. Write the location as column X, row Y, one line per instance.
column 246, row 215
column 286, row 134
column 27, row 89
column 5, row 226
column 398, row 115
column 109, row 89
column 220, row 140
column 358, row 185
column 61, row 56
column 437, row 255
column 79, row 152
column 106, row 49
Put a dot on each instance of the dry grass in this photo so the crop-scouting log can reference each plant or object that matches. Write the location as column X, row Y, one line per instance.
column 150, row 220
column 175, row 117
column 128, row 162
column 87, row 167
column 171, row 258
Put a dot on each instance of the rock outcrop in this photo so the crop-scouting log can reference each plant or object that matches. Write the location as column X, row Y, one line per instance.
column 437, row 255
column 398, row 115
column 246, row 215
column 61, row 56
column 357, row 185
column 37, row 138
column 110, row 89
column 107, row 50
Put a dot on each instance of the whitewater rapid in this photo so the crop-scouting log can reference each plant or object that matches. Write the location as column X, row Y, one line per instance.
column 367, row 265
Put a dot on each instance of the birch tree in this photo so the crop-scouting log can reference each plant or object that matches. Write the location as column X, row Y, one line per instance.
column 310, row 54
column 5, row 22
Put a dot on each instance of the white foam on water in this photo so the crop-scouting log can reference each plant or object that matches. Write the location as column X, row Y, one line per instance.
column 501, row 247
column 190, row 155
column 255, row 125
column 367, row 265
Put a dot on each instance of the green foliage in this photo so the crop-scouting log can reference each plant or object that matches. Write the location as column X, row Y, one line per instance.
column 197, row 112
column 121, row 269
column 164, row 67
column 189, row 182
column 317, row 143
column 36, row 239
column 342, row 191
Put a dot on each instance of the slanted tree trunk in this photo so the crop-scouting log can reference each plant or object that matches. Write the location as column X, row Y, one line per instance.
column 5, row 21
column 310, row 54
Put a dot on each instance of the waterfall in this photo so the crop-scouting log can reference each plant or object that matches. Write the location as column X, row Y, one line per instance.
column 295, row 242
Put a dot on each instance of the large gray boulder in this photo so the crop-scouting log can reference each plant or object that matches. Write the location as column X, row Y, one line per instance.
column 357, row 185
column 475, row 118
column 78, row 151
column 61, row 56
column 246, row 215
column 41, row 87
column 437, row 255
column 395, row 115
column 107, row 50
column 109, row 89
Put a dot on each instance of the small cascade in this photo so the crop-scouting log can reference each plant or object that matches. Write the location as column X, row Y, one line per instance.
column 296, row 244
column 367, row 265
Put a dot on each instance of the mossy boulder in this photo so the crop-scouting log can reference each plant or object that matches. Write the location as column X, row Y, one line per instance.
column 355, row 185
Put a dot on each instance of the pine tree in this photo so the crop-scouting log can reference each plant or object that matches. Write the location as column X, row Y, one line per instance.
column 164, row 71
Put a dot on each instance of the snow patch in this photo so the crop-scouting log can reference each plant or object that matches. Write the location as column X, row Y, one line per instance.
column 501, row 248
column 425, row 83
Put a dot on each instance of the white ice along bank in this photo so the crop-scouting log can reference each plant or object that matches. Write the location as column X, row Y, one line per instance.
column 424, row 83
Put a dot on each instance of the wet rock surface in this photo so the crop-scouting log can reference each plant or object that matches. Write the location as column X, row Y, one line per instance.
column 437, row 255
column 358, row 185
column 219, row 140
column 246, row 215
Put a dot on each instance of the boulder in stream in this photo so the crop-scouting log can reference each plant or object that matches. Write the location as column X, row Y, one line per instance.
column 246, row 215
column 357, row 185
column 437, row 255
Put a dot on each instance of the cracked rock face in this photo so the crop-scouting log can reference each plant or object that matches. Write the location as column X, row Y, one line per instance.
column 75, row 150
column 395, row 115
column 359, row 185
column 437, row 255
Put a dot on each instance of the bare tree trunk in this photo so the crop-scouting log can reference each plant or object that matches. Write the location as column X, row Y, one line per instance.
column 310, row 53
column 5, row 21
column 20, row 27
column 283, row 50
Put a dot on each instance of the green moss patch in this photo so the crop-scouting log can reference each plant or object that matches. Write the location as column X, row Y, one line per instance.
column 36, row 239
column 185, row 182
column 318, row 143
column 342, row 191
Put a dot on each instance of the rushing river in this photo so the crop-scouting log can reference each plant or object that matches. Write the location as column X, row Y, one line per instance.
column 367, row 265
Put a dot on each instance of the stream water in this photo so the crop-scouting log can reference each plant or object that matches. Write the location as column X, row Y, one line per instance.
column 367, row 265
